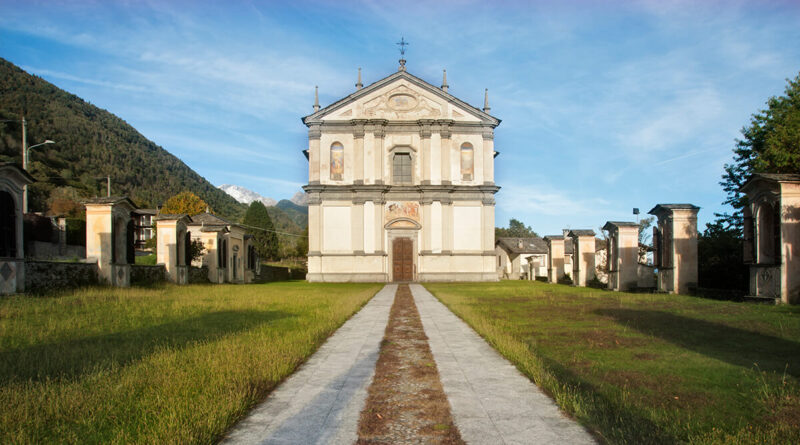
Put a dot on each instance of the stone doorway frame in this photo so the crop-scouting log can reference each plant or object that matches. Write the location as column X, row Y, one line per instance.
column 393, row 232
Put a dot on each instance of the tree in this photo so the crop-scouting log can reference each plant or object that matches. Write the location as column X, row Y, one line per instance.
column 516, row 229
column 719, row 257
column 771, row 144
column 258, row 222
column 644, row 237
column 301, row 247
column 184, row 202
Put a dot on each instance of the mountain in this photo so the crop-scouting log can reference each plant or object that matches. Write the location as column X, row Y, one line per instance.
column 298, row 213
column 246, row 196
column 300, row 198
column 91, row 143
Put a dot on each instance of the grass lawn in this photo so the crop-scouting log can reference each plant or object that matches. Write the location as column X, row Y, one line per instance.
column 164, row 365
column 645, row 368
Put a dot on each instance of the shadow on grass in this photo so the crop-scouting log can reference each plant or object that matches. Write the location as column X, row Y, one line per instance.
column 732, row 345
column 71, row 358
column 616, row 421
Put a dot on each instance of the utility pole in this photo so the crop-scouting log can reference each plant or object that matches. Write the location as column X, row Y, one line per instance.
column 108, row 186
column 24, row 166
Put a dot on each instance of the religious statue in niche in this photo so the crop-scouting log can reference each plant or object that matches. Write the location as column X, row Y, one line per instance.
column 402, row 209
column 337, row 162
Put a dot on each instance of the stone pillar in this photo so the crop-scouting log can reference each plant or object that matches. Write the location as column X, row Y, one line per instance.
column 487, row 211
column 171, row 246
column 675, row 241
column 583, row 254
column 379, row 151
column 446, row 148
column 314, row 158
column 358, row 152
column 425, row 137
column 447, row 226
column 62, row 236
column 357, row 227
column 108, row 240
column 555, row 256
column 427, row 227
column 623, row 255
column 488, row 156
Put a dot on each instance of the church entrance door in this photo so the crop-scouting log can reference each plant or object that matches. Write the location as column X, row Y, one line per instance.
column 402, row 259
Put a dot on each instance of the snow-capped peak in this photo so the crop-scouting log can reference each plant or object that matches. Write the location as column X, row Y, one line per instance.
column 246, row 196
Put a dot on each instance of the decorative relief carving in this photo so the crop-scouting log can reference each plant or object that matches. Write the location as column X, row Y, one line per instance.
column 401, row 103
column 402, row 209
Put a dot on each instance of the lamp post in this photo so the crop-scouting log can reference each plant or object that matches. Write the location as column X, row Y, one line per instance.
column 25, row 154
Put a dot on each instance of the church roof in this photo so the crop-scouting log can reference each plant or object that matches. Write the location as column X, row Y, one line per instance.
column 485, row 117
column 529, row 245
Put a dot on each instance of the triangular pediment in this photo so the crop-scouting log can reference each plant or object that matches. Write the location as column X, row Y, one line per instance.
column 401, row 97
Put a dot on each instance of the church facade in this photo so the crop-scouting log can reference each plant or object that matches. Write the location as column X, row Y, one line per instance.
column 401, row 185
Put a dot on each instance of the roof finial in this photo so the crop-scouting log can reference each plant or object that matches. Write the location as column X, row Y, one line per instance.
column 402, row 43
column 316, row 99
column 486, row 108
column 444, row 81
column 359, row 85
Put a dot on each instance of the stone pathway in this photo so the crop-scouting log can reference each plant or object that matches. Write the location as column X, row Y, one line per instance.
column 321, row 402
column 492, row 402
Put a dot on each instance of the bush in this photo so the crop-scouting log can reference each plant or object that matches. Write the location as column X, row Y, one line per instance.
column 595, row 283
column 566, row 279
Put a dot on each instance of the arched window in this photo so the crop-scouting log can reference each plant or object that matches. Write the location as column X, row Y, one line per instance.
column 187, row 250
column 130, row 252
column 8, row 226
column 337, row 161
column 768, row 230
column 467, row 161
column 401, row 168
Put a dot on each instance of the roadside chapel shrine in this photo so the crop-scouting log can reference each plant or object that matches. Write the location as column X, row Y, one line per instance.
column 401, row 185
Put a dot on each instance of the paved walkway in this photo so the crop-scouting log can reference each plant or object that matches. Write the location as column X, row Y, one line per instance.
column 322, row 401
column 492, row 402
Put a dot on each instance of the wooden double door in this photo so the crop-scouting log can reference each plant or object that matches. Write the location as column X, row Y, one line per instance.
column 403, row 259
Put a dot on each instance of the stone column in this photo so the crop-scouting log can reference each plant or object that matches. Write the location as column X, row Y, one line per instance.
column 446, row 148
column 677, row 224
column 487, row 211
column 314, row 158
column 447, row 226
column 425, row 156
column 426, row 226
column 488, row 156
column 583, row 256
column 358, row 151
column 555, row 256
column 357, row 226
column 379, row 151
column 623, row 261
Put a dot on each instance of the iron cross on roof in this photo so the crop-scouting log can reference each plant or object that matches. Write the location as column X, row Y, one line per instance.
column 402, row 44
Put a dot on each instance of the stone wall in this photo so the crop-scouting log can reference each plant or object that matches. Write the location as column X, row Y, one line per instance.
column 198, row 275
column 42, row 277
column 276, row 273
column 144, row 275
column 41, row 250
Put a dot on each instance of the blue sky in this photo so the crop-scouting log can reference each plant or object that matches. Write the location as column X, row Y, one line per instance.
column 605, row 107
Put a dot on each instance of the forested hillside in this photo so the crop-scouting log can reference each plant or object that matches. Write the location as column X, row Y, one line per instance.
column 298, row 214
column 91, row 143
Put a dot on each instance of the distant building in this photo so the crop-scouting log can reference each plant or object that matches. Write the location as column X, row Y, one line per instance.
column 229, row 254
column 143, row 226
column 516, row 255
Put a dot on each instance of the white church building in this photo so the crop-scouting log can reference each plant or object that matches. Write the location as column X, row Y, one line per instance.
column 401, row 185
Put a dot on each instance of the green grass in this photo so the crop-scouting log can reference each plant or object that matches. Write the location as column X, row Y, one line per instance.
column 165, row 365
column 146, row 260
column 646, row 368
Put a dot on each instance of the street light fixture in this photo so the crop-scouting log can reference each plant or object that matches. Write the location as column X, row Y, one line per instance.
column 26, row 152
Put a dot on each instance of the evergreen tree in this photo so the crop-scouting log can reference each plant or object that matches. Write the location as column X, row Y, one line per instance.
column 266, row 240
column 184, row 202
column 771, row 144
